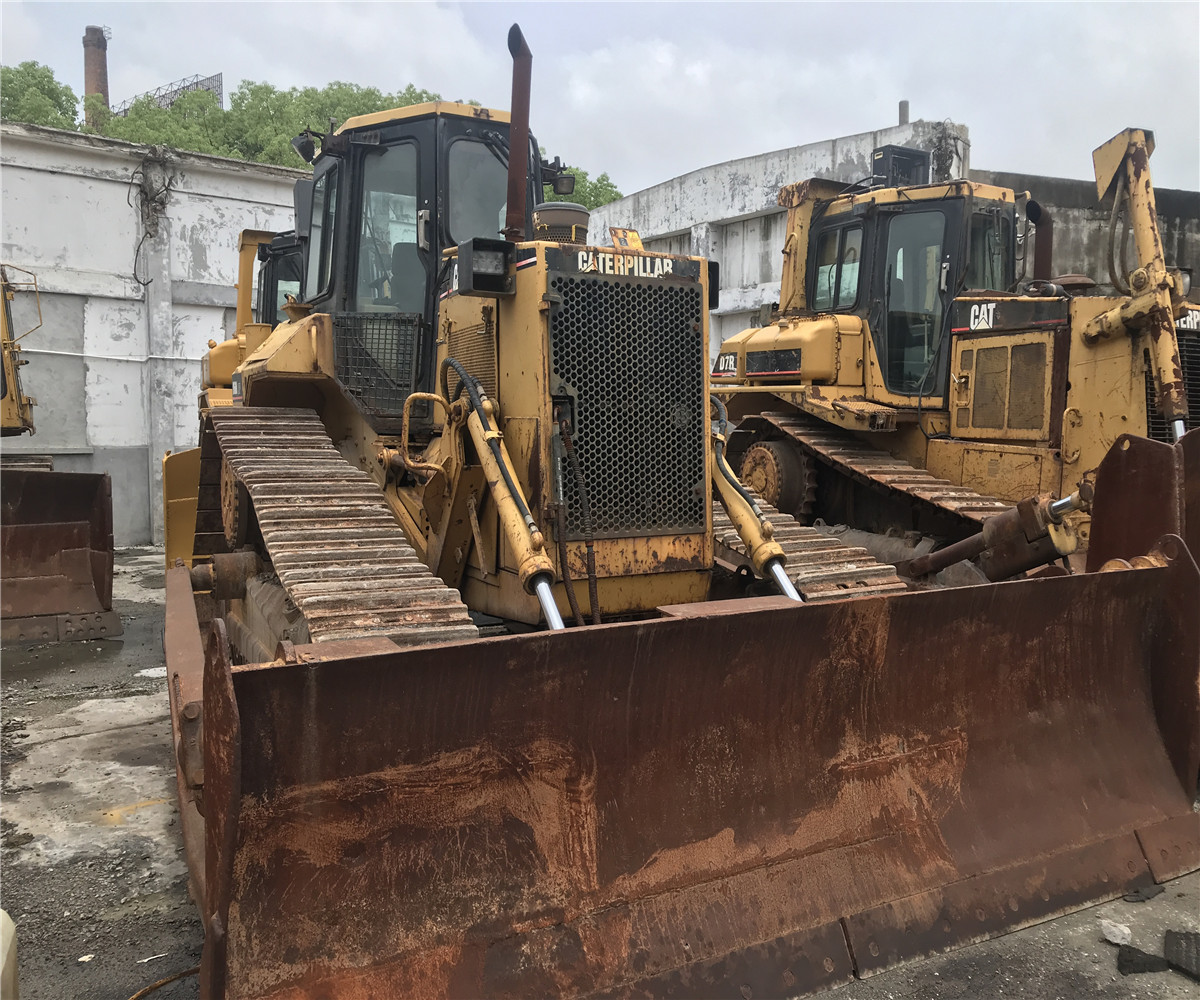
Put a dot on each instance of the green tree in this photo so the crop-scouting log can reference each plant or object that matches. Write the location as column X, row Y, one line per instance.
column 588, row 193
column 30, row 93
column 194, row 122
column 259, row 125
column 264, row 119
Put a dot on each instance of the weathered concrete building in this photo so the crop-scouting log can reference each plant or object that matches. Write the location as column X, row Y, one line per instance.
column 729, row 212
column 134, row 249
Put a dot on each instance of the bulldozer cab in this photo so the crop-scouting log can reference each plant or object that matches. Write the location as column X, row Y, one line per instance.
column 280, row 274
column 898, row 258
column 390, row 192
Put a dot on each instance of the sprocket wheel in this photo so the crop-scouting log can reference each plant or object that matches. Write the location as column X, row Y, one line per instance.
column 781, row 474
column 235, row 507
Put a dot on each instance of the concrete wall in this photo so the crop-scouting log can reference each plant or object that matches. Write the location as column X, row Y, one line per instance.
column 730, row 212
column 135, row 252
column 1081, row 223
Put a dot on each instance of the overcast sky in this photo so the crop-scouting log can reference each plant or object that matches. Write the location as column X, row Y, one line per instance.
column 649, row 91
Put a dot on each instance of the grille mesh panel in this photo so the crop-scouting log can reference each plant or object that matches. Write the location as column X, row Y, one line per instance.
column 1027, row 387
column 631, row 353
column 1189, row 356
column 991, row 387
column 377, row 357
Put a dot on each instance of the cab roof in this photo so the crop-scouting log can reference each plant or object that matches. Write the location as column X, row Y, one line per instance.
column 926, row 192
column 449, row 108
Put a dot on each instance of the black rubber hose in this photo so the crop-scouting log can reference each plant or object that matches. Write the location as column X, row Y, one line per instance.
column 588, row 527
column 472, row 385
column 1118, row 280
column 568, row 583
column 723, row 465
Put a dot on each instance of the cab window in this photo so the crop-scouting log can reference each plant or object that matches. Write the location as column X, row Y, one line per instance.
column 991, row 261
column 478, row 191
column 282, row 274
column 320, row 243
column 390, row 272
column 836, row 283
column 913, row 269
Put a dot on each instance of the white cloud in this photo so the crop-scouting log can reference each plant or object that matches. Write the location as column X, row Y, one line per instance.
column 647, row 91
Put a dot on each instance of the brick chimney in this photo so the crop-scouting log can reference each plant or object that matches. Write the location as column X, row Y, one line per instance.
column 95, row 61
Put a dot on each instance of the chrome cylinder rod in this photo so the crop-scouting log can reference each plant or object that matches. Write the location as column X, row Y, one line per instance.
column 545, row 598
column 775, row 568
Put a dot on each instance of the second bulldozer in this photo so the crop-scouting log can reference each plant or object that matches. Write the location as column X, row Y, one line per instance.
column 411, row 763
column 913, row 378
column 56, row 533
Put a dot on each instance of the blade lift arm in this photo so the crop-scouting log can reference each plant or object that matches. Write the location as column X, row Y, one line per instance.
column 1156, row 293
column 766, row 555
column 534, row 568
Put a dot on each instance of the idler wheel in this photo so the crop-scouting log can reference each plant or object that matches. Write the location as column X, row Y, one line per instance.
column 781, row 474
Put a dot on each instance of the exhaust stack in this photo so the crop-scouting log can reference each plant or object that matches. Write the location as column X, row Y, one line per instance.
column 518, row 136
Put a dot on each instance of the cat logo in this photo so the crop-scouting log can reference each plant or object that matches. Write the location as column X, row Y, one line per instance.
column 983, row 315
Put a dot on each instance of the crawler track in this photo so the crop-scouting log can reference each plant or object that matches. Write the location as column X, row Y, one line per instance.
column 822, row 568
column 878, row 470
column 328, row 531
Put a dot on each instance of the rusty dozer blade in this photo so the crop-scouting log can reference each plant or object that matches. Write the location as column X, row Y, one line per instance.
column 746, row 798
column 56, row 556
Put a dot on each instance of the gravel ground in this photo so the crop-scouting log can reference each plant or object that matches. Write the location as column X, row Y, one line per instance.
column 92, row 861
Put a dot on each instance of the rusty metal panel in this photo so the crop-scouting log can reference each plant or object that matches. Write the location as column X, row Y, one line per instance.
column 688, row 805
column 1145, row 489
column 56, row 554
column 1172, row 847
column 995, row 902
column 1137, row 500
column 185, row 685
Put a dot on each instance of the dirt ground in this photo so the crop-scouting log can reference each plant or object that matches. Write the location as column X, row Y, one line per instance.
column 92, row 867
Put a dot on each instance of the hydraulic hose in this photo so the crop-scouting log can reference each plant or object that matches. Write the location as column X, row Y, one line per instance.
column 477, row 398
column 722, row 462
column 589, row 539
column 568, row 583
column 1117, row 280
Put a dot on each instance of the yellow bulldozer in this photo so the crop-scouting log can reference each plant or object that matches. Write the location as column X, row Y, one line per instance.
column 489, row 678
column 56, row 535
column 913, row 380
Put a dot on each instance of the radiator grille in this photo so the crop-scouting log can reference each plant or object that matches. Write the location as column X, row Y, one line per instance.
column 378, row 358
column 1189, row 356
column 474, row 347
column 632, row 355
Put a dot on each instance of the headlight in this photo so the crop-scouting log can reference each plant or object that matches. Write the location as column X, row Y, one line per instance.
column 482, row 268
